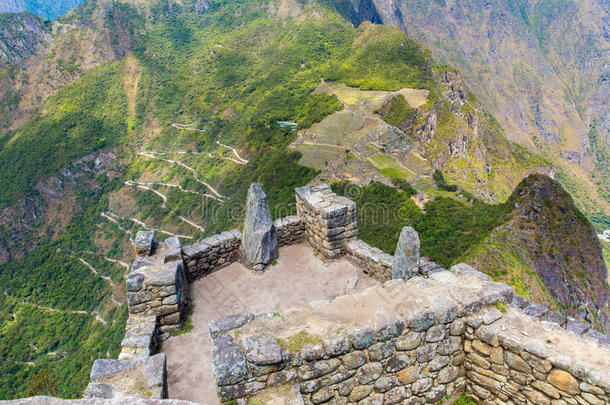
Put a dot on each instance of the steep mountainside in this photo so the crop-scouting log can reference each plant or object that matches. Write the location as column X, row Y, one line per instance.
column 549, row 251
column 96, row 33
column 50, row 9
column 540, row 66
column 158, row 114
column 21, row 35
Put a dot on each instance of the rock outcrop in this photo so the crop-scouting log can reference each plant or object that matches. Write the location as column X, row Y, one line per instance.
column 406, row 257
column 259, row 238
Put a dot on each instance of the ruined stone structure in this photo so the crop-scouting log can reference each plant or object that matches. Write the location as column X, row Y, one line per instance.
column 330, row 219
column 436, row 333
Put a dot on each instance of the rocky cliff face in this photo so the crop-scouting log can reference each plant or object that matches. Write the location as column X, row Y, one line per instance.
column 549, row 235
column 47, row 56
column 540, row 67
column 21, row 36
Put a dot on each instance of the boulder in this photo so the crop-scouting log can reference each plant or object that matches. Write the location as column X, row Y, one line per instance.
column 259, row 238
column 406, row 257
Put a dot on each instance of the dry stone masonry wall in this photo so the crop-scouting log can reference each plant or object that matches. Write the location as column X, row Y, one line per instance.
column 330, row 220
column 412, row 342
column 210, row 254
column 157, row 285
column 290, row 230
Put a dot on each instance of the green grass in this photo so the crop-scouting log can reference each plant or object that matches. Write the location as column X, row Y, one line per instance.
column 464, row 400
column 296, row 342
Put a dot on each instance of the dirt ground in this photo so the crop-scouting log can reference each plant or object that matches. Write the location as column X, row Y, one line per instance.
column 299, row 277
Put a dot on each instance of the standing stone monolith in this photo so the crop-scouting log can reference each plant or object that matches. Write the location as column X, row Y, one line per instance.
column 259, row 238
column 406, row 256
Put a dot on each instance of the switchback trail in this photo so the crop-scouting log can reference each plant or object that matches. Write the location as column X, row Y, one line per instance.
column 219, row 196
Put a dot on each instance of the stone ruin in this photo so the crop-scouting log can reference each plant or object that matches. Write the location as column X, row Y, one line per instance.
column 425, row 334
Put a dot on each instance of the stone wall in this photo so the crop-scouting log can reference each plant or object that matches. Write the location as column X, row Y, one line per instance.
column 157, row 285
column 211, row 253
column 290, row 230
column 531, row 364
column 378, row 264
column 330, row 220
column 411, row 342
column 400, row 341
column 373, row 261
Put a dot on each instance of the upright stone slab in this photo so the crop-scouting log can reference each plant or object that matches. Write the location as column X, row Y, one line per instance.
column 145, row 242
column 259, row 240
column 406, row 256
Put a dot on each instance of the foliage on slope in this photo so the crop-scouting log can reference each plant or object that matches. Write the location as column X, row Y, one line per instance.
column 538, row 241
column 547, row 234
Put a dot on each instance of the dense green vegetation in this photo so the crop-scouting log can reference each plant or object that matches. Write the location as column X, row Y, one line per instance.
column 404, row 185
column 398, row 111
column 446, row 230
column 81, row 118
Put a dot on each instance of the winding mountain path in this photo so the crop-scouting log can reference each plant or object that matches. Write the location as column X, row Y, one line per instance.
column 94, row 314
column 186, row 127
column 195, row 175
column 164, row 198
column 242, row 160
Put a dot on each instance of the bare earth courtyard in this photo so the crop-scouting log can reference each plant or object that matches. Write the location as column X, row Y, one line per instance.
column 298, row 278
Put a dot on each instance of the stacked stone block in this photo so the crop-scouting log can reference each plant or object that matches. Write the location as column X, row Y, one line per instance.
column 157, row 286
column 330, row 220
column 141, row 338
column 142, row 377
column 373, row 261
column 505, row 366
column 378, row 264
column 211, row 254
column 290, row 230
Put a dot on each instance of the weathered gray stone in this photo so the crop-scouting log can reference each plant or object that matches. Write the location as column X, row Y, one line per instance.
column 397, row 362
column 226, row 323
column 228, row 362
column 380, row 351
column 409, row 341
column 134, row 282
column 535, row 310
column 259, row 240
column 598, row 336
column 353, row 360
column 421, row 385
column 144, row 242
column 575, row 326
column 99, row 390
column 362, row 338
column 406, row 256
column 262, row 350
column 520, row 302
column 337, row 345
column 554, row 317
column 311, row 352
column 369, row 372
column 395, row 395
column 422, row 320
